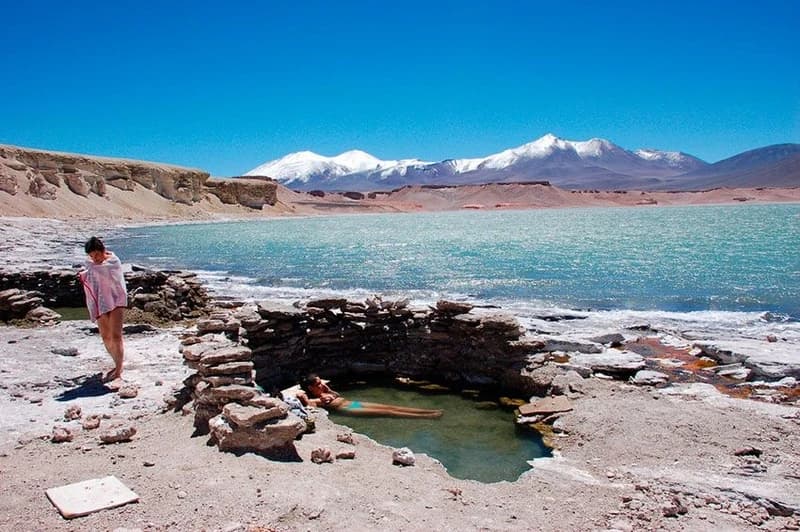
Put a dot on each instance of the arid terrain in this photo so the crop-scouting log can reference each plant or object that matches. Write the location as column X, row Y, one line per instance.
column 680, row 456
column 628, row 457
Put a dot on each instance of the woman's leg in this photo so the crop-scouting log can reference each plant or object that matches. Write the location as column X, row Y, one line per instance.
column 110, row 325
column 117, row 347
column 103, row 323
column 380, row 409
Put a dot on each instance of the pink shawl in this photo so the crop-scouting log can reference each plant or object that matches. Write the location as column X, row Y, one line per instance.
column 104, row 286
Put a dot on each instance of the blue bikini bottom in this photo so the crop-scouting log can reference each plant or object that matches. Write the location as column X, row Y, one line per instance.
column 354, row 405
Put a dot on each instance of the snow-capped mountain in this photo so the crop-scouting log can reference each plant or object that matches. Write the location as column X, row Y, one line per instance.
column 307, row 165
column 596, row 163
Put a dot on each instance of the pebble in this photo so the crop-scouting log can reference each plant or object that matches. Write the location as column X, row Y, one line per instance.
column 346, row 437
column 118, row 434
column 128, row 391
column 404, row 456
column 182, row 494
column 61, row 435
column 72, row 413
column 65, row 351
column 321, row 455
column 91, row 422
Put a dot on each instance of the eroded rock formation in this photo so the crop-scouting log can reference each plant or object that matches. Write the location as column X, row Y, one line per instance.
column 46, row 175
column 51, row 175
column 250, row 192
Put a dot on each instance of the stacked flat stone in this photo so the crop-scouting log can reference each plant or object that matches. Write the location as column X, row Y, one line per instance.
column 57, row 288
column 336, row 336
column 219, row 320
column 238, row 416
column 16, row 304
column 172, row 295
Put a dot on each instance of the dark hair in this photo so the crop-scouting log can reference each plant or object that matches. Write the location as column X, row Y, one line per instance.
column 94, row 244
column 307, row 381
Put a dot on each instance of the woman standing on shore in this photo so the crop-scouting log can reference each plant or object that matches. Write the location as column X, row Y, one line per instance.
column 106, row 299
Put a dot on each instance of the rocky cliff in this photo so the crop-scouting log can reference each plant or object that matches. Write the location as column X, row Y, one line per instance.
column 48, row 175
column 250, row 192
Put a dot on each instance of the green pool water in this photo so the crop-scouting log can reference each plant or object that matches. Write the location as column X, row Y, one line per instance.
column 72, row 313
column 472, row 440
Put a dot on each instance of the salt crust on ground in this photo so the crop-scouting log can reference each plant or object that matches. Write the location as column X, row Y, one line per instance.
column 629, row 453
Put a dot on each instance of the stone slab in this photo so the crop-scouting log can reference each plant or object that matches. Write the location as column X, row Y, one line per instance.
column 547, row 405
column 89, row 496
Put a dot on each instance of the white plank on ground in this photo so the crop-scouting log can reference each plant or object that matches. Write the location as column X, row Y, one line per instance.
column 89, row 496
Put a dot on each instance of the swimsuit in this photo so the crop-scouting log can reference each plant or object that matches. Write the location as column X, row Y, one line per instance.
column 354, row 405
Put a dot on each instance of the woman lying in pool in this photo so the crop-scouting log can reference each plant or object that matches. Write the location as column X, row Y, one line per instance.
column 320, row 394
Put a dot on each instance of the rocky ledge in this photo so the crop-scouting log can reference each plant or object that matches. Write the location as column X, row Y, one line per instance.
column 50, row 175
column 250, row 192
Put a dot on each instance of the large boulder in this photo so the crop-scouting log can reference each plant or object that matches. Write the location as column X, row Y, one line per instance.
column 250, row 416
column 610, row 361
column 16, row 303
column 271, row 436
column 767, row 360
column 648, row 377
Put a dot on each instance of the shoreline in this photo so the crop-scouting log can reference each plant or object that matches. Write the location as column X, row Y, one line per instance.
column 626, row 455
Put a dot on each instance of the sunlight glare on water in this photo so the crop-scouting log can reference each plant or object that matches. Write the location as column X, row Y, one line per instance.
column 736, row 257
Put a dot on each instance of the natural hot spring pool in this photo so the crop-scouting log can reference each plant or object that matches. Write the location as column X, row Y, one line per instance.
column 471, row 441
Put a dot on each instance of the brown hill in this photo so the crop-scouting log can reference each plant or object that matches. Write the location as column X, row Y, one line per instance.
column 771, row 166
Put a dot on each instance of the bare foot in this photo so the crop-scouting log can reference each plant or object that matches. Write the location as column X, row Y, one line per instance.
column 115, row 384
column 110, row 376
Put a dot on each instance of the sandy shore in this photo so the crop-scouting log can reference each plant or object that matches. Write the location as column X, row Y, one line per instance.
column 630, row 457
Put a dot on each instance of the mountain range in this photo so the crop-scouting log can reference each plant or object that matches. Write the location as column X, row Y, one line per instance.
column 593, row 164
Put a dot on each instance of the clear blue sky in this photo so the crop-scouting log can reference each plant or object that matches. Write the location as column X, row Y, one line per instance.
column 228, row 86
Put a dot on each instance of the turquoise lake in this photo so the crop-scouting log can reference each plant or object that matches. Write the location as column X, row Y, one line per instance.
column 743, row 258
